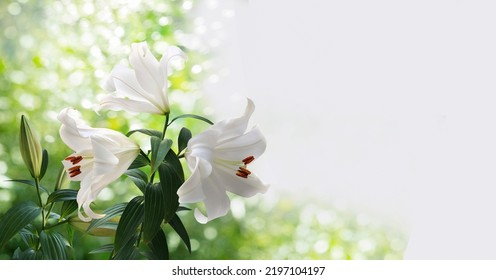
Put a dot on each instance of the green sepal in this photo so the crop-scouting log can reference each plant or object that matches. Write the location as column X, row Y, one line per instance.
column 16, row 219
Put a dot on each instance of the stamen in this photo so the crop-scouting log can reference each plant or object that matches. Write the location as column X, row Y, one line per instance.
column 74, row 171
column 74, row 159
column 244, row 170
column 248, row 159
column 241, row 174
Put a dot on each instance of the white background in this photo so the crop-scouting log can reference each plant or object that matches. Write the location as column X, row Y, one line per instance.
column 387, row 105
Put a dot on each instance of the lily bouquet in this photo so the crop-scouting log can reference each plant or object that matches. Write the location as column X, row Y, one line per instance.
column 218, row 160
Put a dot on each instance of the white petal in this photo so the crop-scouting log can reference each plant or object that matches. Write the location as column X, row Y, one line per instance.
column 117, row 103
column 235, row 127
column 70, row 130
column 252, row 143
column 148, row 73
column 191, row 190
column 246, row 187
column 216, row 202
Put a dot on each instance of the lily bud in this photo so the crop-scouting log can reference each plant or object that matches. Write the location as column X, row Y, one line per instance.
column 31, row 151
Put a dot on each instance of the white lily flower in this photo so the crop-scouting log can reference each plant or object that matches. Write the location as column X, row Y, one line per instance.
column 101, row 156
column 144, row 88
column 218, row 158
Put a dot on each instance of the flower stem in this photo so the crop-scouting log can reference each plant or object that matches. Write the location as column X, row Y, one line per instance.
column 166, row 124
column 37, row 183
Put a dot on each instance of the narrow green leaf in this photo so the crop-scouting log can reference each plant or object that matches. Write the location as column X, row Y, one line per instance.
column 160, row 250
column 53, row 246
column 62, row 195
column 183, row 138
column 140, row 161
column 171, row 178
column 131, row 218
column 44, row 163
column 107, row 248
column 28, row 236
column 17, row 218
column 193, row 117
column 182, row 208
column 139, row 178
column 154, row 211
column 28, row 254
column 28, row 182
column 68, row 207
column 160, row 148
column 179, row 228
column 128, row 250
column 148, row 132
column 110, row 213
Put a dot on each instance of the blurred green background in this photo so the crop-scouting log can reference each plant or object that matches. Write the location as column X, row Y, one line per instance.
column 55, row 54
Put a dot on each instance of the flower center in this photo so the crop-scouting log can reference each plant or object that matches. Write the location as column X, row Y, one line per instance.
column 242, row 171
column 75, row 169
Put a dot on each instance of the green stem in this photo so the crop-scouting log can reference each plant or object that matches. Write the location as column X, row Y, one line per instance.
column 37, row 183
column 166, row 124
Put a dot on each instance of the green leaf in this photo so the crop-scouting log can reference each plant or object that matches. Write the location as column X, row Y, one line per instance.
column 44, row 163
column 109, row 214
column 139, row 178
column 140, row 161
column 148, row 132
column 179, row 228
column 28, row 182
column 28, row 236
column 182, row 208
column 28, row 254
column 183, row 138
column 53, row 245
column 128, row 250
column 160, row 148
column 193, row 117
column 131, row 218
column 62, row 195
column 154, row 211
column 17, row 218
column 107, row 248
column 68, row 207
column 158, row 245
column 171, row 178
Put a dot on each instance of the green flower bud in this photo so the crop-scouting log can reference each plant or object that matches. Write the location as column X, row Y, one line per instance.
column 31, row 151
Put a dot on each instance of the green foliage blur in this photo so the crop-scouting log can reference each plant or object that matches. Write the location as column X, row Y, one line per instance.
column 55, row 54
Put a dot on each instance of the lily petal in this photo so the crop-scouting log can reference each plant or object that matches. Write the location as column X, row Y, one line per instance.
column 216, row 202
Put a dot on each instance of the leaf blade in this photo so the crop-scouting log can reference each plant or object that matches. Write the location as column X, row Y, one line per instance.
column 16, row 219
